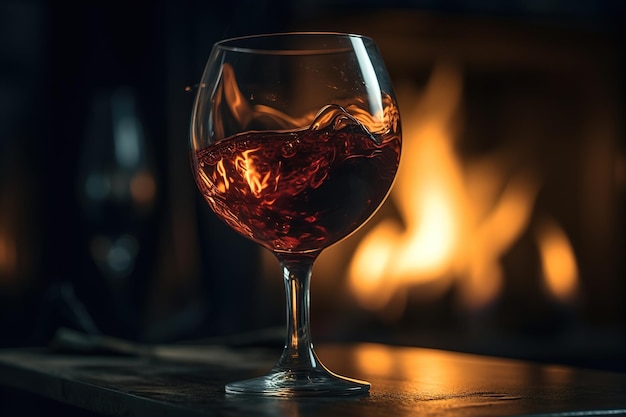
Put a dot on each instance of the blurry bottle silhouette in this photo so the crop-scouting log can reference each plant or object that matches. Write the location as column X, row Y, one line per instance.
column 117, row 190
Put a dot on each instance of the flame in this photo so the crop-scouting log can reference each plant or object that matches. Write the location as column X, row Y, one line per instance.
column 492, row 238
column 457, row 217
column 428, row 168
column 246, row 165
column 558, row 262
column 221, row 170
column 247, row 110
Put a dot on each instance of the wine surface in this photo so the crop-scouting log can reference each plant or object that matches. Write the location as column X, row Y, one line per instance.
column 297, row 191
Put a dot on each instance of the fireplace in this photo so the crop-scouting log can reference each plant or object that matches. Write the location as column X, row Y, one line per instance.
column 504, row 230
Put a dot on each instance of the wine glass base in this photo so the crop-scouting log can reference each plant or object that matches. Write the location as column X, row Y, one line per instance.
column 299, row 383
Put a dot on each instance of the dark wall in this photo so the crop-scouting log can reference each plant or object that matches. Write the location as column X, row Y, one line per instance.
column 60, row 66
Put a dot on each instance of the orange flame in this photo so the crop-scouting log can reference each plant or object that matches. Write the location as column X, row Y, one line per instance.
column 246, row 165
column 558, row 261
column 457, row 219
column 221, row 170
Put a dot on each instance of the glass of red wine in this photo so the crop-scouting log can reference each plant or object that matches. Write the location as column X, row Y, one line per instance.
column 295, row 143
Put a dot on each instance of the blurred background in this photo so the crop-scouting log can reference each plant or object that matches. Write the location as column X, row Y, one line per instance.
column 504, row 233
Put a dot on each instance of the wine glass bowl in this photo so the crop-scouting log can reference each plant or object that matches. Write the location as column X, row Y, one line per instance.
column 295, row 142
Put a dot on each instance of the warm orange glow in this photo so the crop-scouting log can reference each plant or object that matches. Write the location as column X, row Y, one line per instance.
column 245, row 110
column 425, row 192
column 459, row 217
column 490, row 238
column 8, row 256
column 429, row 366
column 223, row 185
column 428, row 208
column 368, row 272
column 434, row 373
column 143, row 187
column 558, row 261
column 246, row 165
column 375, row 359
column 237, row 102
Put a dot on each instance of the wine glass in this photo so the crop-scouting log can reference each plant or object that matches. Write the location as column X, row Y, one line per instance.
column 295, row 143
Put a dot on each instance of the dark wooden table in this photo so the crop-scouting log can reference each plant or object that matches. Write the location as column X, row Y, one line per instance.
column 189, row 381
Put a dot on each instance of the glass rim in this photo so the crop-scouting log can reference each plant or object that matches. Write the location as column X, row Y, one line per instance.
column 242, row 44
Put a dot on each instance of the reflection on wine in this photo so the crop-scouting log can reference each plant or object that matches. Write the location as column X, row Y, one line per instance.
column 302, row 190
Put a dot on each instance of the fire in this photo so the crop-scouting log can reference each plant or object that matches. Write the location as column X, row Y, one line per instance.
column 558, row 261
column 246, row 165
column 221, row 185
column 427, row 191
column 458, row 217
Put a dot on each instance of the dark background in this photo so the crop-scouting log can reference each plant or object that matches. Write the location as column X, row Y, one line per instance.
column 56, row 61
column 192, row 277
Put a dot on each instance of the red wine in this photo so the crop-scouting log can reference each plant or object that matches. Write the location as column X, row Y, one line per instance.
column 297, row 191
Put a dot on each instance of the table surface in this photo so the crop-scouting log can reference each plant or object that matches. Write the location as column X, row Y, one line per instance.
column 406, row 381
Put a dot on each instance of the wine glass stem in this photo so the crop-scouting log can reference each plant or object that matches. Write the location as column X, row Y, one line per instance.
column 298, row 351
